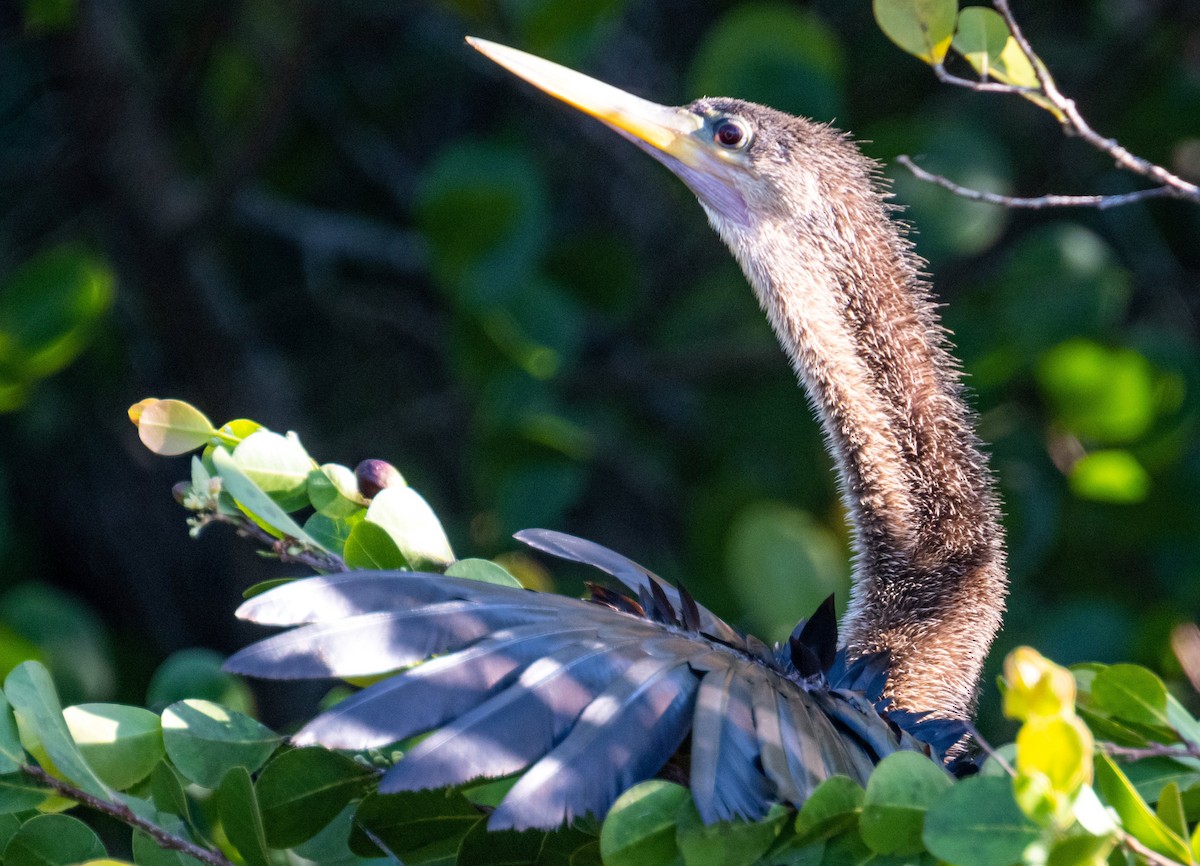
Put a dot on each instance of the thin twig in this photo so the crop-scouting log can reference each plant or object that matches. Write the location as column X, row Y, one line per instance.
column 1150, row 854
column 126, row 815
column 1155, row 750
column 991, row 752
column 287, row 549
column 1169, row 185
column 1100, row 202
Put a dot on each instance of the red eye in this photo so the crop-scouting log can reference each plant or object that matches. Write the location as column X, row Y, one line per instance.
column 730, row 133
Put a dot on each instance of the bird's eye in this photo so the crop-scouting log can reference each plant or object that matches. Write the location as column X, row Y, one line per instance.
column 731, row 133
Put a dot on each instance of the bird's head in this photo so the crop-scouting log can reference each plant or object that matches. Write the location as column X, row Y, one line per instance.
column 749, row 165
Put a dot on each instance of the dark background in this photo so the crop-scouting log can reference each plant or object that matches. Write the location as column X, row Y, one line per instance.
column 335, row 218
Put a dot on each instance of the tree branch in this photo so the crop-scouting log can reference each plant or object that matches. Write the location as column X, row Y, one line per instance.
column 1169, row 185
column 125, row 815
column 1155, row 750
column 287, row 549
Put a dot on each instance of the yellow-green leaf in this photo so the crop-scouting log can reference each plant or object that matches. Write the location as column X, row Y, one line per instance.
column 1137, row 818
column 170, row 427
column 923, row 28
column 981, row 36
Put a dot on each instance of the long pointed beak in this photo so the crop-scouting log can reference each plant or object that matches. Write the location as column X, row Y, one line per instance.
column 666, row 133
column 664, row 128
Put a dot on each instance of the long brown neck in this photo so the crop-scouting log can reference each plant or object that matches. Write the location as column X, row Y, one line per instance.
column 843, row 294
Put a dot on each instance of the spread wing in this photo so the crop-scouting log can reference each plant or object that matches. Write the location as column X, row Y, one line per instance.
column 587, row 698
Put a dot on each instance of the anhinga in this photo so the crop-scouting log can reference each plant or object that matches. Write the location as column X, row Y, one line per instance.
column 594, row 696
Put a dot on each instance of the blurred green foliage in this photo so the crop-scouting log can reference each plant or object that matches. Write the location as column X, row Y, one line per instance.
column 333, row 217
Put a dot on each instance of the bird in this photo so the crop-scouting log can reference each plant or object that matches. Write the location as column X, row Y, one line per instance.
column 580, row 699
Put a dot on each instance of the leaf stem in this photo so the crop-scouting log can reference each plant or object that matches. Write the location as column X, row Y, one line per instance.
column 125, row 815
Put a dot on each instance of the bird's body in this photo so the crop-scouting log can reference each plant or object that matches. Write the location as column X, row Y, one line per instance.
column 595, row 697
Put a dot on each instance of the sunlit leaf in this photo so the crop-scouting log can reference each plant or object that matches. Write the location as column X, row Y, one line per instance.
column 1136, row 816
column 278, row 465
column 170, row 427
column 640, row 827
column 482, row 569
column 980, row 37
column 1132, row 693
column 40, row 721
column 1106, row 395
column 122, row 744
column 204, row 740
column 256, row 501
column 333, row 491
column 414, row 527
column 1036, row 686
column 923, row 28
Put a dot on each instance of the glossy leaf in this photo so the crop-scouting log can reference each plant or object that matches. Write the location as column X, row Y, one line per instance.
column 52, row 840
column 170, row 427
column 241, row 818
column 370, row 546
column 413, row 526
column 923, row 28
column 977, row 823
column 640, row 827
column 725, row 843
column 39, row 716
column 416, row 827
column 333, row 491
column 122, row 744
column 899, row 793
column 980, row 37
column 204, row 740
column 1131, row 693
column 1136, row 816
column 257, row 502
column 832, row 808
column 278, row 465
column 482, row 569
column 302, row 790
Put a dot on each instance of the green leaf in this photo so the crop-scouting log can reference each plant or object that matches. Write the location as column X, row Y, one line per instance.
column 333, row 533
column 1083, row 850
column 238, row 485
column 568, row 847
column 1106, row 395
column 9, row 824
column 1136, row 816
column 278, row 465
column 725, row 843
column 241, row 818
column 302, row 790
column 122, row 744
column 12, row 754
column 640, row 827
column 1169, row 810
column 147, row 852
column 832, row 808
column 170, row 427
column 40, row 719
column 980, row 38
column 977, row 823
column 166, row 791
column 414, row 527
column 1132, row 693
column 482, row 569
column 923, row 28
column 417, row 827
column 369, row 546
column 204, row 740
column 1111, row 475
column 49, row 16
column 196, row 673
column 900, row 791
column 333, row 491
column 482, row 847
column 51, row 840
column 19, row 793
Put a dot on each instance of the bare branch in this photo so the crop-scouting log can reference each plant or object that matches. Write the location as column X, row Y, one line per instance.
column 991, row 752
column 1036, row 202
column 1154, row 750
column 286, row 549
column 1150, row 855
column 1169, row 185
column 127, row 816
